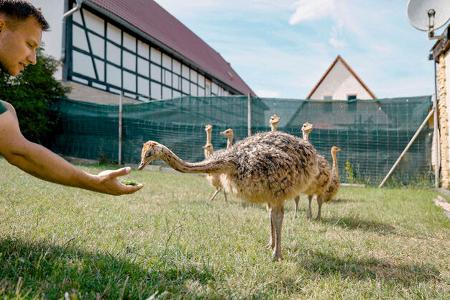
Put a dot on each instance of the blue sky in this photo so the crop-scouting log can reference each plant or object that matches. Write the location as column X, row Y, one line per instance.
column 281, row 48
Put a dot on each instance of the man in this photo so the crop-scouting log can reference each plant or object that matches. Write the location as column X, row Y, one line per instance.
column 21, row 27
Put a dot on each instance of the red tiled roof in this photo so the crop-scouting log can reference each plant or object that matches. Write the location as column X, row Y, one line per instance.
column 150, row 18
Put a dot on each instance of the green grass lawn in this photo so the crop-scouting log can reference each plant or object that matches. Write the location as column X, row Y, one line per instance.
column 169, row 242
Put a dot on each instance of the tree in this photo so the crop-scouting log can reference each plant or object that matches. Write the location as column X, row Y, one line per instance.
column 33, row 93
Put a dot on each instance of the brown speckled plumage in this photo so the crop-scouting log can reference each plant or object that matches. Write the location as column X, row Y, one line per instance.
column 268, row 167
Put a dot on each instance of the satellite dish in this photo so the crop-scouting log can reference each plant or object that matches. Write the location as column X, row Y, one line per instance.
column 428, row 15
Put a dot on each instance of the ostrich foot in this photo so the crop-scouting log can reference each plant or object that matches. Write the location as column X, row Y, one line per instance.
column 277, row 256
column 270, row 245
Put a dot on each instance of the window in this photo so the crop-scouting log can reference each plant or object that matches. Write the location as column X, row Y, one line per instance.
column 327, row 97
column 351, row 102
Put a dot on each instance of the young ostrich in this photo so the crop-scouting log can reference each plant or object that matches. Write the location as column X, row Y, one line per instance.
column 268, row 167
column 208, row 149
column 321, row 182
column 213, row 179
column 334, row 183
column 229, row 134
column 274, row 121
column 306, row 130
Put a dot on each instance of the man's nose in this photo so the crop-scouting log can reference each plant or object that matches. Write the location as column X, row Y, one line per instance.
column 32, row 58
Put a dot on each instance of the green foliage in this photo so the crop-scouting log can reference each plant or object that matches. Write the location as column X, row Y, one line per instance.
column 349, row 172
column 32, row 94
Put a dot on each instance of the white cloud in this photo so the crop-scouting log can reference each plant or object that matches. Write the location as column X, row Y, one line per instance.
column 308, row 10
column 336, row 40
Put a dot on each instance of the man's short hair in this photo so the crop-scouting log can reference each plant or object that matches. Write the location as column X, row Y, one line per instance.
column 21, row 10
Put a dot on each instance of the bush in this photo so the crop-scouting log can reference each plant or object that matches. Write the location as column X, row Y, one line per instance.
column 32, row 94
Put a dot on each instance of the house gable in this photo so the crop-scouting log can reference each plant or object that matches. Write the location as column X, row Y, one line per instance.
column 340, row 82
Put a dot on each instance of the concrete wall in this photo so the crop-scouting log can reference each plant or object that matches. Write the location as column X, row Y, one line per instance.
column 88, row 94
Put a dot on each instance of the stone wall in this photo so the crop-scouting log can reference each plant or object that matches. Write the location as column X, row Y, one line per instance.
column 443, row 120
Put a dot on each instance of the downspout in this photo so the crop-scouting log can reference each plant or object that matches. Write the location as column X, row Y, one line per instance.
column 75, row 9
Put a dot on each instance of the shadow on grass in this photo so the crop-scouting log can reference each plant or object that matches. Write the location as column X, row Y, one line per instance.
column 362, row 268
column 42, row 270
column 355, row 223
column 338, row 201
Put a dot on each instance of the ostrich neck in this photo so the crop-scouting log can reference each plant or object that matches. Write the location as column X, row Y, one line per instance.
column 273, row 127
column 306, row 136
column 335, row 166
column 206, row 166
column 229, row 142
column 208, row 137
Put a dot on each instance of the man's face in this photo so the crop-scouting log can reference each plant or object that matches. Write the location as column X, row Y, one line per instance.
column 18, row 44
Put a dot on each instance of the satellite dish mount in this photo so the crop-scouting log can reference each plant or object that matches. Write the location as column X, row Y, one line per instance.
column 429, row 15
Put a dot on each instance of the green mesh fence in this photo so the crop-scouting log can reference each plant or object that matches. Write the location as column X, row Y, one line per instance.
column 371, row 133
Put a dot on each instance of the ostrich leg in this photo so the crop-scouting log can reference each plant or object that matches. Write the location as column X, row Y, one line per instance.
column 214, row 195
column 277, row 216
column 296, row 199
column 225, row 194
column 271, row 244
column 309, row 213
column 319, row 203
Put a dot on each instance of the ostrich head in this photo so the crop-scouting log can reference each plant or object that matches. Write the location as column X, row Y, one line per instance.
column 208, row 127
column 150, row 151
column 307, row 127
column 274, row 120
column 335, row 149
column 227, row 133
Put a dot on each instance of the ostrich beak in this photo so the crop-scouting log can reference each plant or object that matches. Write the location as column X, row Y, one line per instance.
column 222, row 133
column 142, row 165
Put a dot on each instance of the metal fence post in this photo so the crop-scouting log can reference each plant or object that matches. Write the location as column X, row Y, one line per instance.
column 249, row 115
column 120, row 129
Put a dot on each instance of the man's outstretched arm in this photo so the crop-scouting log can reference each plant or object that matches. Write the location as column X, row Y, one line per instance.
column 43, row 163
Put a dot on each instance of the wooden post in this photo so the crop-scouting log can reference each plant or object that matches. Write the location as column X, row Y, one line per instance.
column 249, row 115
column 407, row 147
column 120, row 129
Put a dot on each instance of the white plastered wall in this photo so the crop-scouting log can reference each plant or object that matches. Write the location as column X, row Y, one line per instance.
column 339, row 83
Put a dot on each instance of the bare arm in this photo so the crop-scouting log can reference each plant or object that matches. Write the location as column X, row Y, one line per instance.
column 42, row 163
